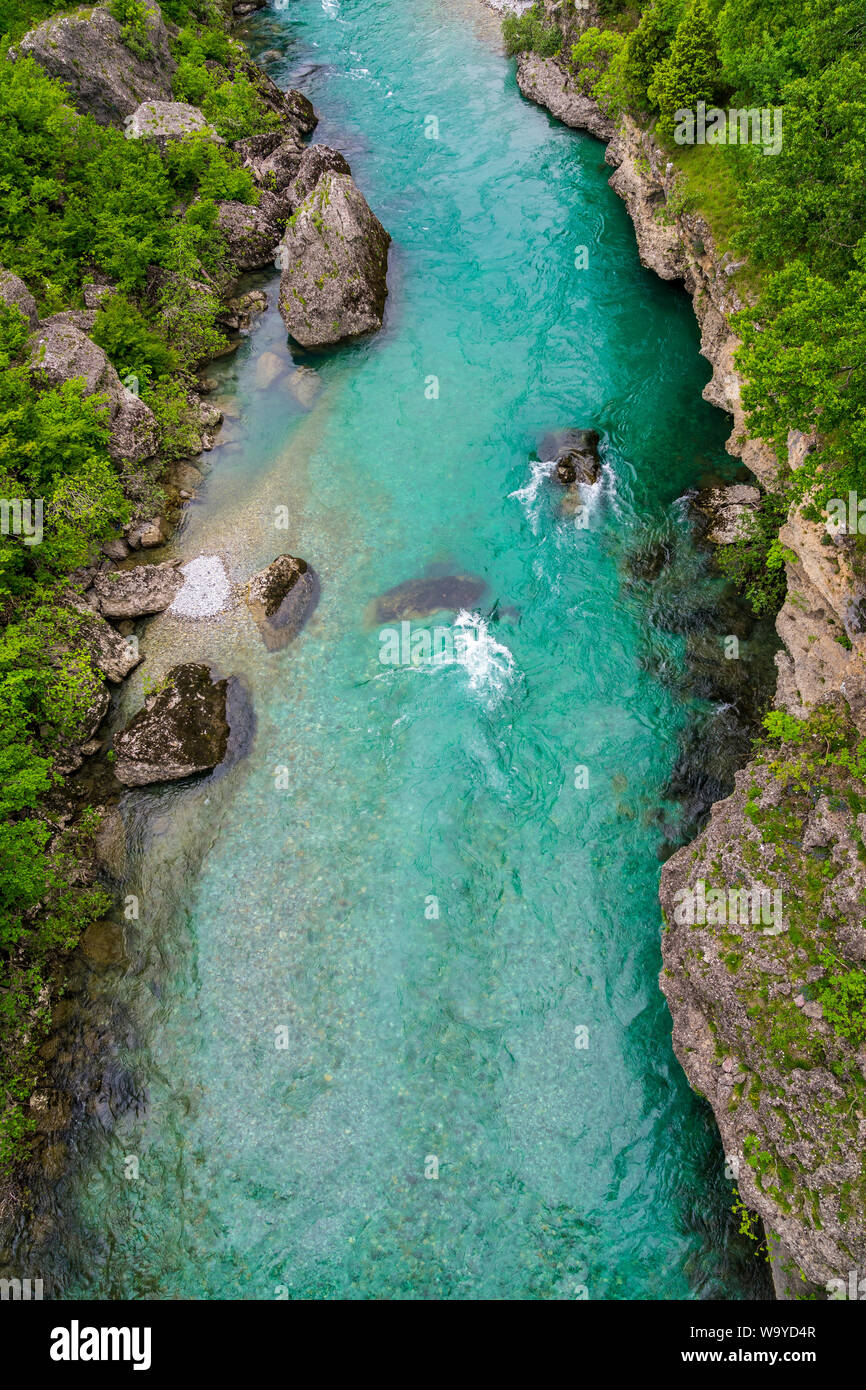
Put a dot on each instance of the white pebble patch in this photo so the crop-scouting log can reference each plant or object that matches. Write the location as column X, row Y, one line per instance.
column 205, row 589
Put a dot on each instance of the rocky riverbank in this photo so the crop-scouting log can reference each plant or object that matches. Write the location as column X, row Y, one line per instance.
column 762, row 1026
column 307, row 218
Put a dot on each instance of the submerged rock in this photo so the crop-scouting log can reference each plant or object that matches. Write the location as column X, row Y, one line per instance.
column 575, row 453
column 183, row 729
column 334, row 258
column 281, row 598
column 417, row 598
column 133, row 593
column 85, row 50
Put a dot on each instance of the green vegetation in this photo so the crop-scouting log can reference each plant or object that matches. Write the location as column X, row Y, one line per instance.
column 530, row 32
column 795, row 217
column 81, row 203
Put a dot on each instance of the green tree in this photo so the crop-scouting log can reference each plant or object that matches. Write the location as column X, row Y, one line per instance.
column 691, row 72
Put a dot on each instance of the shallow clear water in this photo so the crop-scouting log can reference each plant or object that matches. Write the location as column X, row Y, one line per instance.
column 303, row 901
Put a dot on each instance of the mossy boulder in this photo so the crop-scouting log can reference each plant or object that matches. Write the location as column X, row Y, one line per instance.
column 334, row 259
column 183, row 729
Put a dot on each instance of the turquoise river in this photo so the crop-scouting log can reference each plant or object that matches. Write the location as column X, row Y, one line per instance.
column 389, row 1013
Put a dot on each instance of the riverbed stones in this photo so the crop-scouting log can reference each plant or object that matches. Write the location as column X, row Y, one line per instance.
column 205, row 591
column 182, row 729
column 136, row 592
column 418, row 598
column 334, row 258
column 85, row 50
column 281, row 598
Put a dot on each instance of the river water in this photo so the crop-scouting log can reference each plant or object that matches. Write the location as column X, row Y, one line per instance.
column 392, row 1014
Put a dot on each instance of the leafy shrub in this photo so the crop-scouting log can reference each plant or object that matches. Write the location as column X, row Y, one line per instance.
column 528, row 32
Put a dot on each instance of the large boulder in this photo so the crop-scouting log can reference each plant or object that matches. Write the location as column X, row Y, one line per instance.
column 162, row 121
column 14, row 291
column 252, row 234
column 133, row 593
column 273, row 159
column 86, row 51
column 281, row 598
column 183, row 729
column 334, row 259
column 61, row 352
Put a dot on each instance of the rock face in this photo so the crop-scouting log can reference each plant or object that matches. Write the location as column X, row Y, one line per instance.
column 182, row 730
column 729, row 509
column 786, row 1088
column 334, row 258
column 14, row 291
column 60, row 352
column 547, row 82
column 85, row 50
column 281, row 598
column 417, row 598
column 133, row 593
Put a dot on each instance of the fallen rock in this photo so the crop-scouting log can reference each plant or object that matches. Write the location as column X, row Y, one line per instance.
column 281, row 598
column 334, row 258
column 85, row 50
column 162, row 121
column 133, row 593
column 60, row 352
column 14, row 291
column 417, row 598
column 183, row 729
